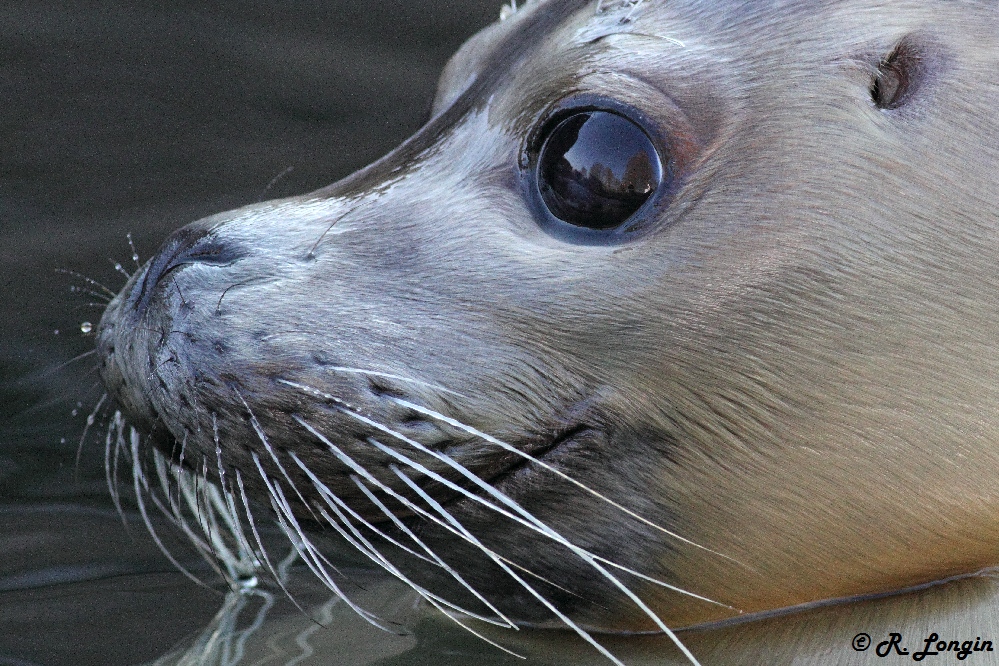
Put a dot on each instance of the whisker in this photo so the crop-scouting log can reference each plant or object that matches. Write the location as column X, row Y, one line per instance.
column 165, row 472
column 110, row 472
column 350, row 462
column 190, row 492
column 255, row 424
column 202, row 513
column 274, row 181
column 91, row 419
column 328, row 495
column 388, row 375
column 89, row 281
column 218, row 306
column 79, row 357
column 135, row 253
column 436, row 601
column 215, row 525
column 526, row 456
column 290, row 526
column 138, row 480
column 180, row 459
column 531, row 522
column 121, row 269
column 368, row 549
column 231, row 516
column 312, row 252
column 222, row 526
column 260, row 544
column 100, row 299
column 582, row 633
column 96, row 305
column 555, row 536
column 440, row 562
column 367, row 476
column 456, row 525
column 584, row 555
column 508, row 447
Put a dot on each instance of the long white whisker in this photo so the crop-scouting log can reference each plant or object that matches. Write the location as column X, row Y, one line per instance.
column 91, row 419
column 88, row 280
column 365, row 547
column 408, row 532
column 115, row 428
column 137, row 482
column 310, row 556
column 116, row 459
column 258, row 429
column 164, row 473
column 582, row 486
column 388, row 375
column 279, row 579
column 188, row 490
column 530, row 522
column 587, row 557
column 328, row 495
column 526, row 456
column 455, row 525
column 582, row 633
column 231, row 516
column 350, row 462
column 216, row 547
column 532, row 525
column 584, row 555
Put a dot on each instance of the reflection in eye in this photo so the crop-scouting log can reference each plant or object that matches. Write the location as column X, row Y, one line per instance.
column 597, row 168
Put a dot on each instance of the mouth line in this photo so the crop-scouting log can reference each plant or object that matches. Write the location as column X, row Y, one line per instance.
column 512, row 468
column 521, row 465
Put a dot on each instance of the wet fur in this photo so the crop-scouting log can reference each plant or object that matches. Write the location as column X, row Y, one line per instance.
column 787, row 377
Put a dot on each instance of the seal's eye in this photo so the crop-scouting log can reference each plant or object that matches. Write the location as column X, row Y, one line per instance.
column 596, row 168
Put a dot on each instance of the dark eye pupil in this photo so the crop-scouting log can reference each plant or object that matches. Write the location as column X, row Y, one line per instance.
column 596, row 169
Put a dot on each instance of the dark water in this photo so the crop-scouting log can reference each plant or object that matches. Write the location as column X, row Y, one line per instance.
column 121, row 117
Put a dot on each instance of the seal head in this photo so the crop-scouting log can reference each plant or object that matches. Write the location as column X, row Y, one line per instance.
column 673, row 310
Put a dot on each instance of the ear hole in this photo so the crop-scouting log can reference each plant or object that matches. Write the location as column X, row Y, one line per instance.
column 897, row 78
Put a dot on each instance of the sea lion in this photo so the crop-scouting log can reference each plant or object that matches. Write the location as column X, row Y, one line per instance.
column 674, row 313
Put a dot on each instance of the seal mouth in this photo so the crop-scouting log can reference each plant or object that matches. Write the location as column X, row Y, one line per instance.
column 541, row 452
column 514, row 471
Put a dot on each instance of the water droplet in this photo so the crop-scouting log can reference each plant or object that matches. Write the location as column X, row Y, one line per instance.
column 62, row 440
column 90, row 420
column 118, row 267
column 55, row 332
column 75, row 412
column 247, row 583
column 131, row 244
column 86, row 327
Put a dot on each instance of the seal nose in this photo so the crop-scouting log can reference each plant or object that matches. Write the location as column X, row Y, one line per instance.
column 193, row 244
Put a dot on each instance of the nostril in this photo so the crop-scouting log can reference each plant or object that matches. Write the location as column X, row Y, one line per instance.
column 192, row 244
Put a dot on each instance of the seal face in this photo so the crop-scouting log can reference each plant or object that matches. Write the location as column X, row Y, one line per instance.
column 674, row 310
